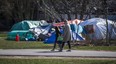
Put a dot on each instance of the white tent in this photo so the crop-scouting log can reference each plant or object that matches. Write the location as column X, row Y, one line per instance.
column 99, row 26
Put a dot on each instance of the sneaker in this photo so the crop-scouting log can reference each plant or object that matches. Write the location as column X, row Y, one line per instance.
column 68, row 50
column 52, row 50
column 60, row 51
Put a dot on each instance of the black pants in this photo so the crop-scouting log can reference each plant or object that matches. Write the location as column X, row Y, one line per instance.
column 55, row 43
column 69, row 45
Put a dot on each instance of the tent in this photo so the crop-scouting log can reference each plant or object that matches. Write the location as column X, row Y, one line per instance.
column 77, row 36
column 23, row 34
column 22, row 28
column 51, row 39
column 27, row 24
column 96, row 28
column 41, row 31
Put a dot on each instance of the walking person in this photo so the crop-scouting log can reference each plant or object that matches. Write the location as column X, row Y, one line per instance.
column 66, row 36
column 58, row 33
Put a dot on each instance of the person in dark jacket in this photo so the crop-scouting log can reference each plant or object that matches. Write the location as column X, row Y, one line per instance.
column 57, row 30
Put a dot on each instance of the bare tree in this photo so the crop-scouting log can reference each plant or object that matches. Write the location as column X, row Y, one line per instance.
column 13, row 11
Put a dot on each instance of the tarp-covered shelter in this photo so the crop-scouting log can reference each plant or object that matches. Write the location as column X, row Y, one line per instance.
column 22, row 28
column 96, row 28
column 23, row 34
column 27, row 24
column 41, row 31
column 77, row 36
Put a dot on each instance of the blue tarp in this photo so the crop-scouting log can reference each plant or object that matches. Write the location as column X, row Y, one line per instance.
column 52, row 38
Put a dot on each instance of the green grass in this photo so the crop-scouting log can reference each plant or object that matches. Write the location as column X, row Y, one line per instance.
column 99, row 48
column 6, row 44
column 3, row 35
column 55, row 61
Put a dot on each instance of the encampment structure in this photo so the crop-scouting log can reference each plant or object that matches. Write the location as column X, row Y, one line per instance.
column 33, row 30
column 96, row 28
column 22, row 28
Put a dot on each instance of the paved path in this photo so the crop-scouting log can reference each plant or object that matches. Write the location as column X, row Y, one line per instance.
column 48, row 53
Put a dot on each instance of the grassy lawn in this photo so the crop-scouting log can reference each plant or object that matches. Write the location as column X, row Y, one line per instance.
column 55, row 61
column 3, row 34
column 6, row 44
